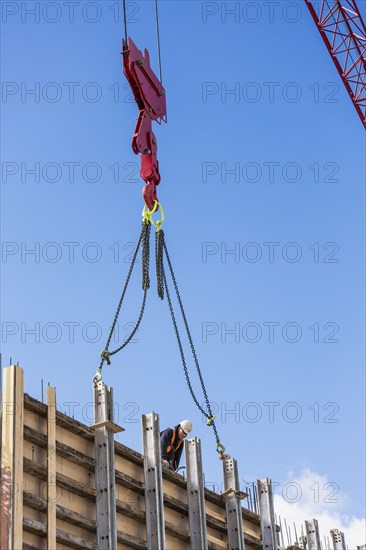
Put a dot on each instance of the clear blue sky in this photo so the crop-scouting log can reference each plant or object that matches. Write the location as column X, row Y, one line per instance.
column 293, row 201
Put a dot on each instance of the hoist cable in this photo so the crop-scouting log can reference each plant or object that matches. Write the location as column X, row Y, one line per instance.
column 158, row 38
column 157, row 33
column 125, row 20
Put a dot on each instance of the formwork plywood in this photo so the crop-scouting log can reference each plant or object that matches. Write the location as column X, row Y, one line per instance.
column 58, row 450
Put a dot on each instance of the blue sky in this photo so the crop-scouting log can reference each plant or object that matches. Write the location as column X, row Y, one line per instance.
column 262, row 165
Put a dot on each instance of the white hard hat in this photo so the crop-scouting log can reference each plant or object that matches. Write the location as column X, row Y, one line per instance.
column 186, row 426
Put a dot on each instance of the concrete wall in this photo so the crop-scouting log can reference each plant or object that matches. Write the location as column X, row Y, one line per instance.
column 48, row 485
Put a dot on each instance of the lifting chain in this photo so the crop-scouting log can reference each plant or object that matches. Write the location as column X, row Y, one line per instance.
column 159, row 259
column 162, row 289
column 143, row 241
column 161, row 248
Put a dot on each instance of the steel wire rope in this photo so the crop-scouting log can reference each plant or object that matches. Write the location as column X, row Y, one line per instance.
column 157, row 33
column 125, row 20
column 158, row 39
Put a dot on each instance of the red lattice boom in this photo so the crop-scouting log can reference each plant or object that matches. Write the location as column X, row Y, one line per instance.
column 343, row 30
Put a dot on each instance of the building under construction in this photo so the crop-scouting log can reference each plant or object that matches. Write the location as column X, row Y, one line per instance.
column 68, row 485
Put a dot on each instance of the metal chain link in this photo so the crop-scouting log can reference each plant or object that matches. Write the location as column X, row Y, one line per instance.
column 145, row 241
column 128, row 340
column 159, row 251
column 161, row 270
column 181, row 348
column 146, row 255
column 162, row 285
column 145, row 281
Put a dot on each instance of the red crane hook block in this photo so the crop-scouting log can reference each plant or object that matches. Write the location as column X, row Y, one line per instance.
column 149, row 95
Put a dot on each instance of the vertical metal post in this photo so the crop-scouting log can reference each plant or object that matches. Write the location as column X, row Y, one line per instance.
column 1, row 412
column 338, row 539
column 104, row 467
column 234, row 516
column 3, row 529
column 11, row 512
column 154, row 502
column 303, row 542
column 281, row 532
column 196, row 495
column 312, row 535
column 51, row 467
column 277, row 533
column 268, row 524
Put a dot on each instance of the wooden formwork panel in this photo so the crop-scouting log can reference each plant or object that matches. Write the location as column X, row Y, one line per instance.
column 57, row 495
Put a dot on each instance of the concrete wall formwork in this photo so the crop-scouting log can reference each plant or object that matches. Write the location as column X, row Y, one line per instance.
column 49, row 487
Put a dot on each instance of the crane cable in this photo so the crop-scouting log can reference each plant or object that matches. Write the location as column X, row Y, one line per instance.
column 158, row 39
column 125, row 19
column 157, row 33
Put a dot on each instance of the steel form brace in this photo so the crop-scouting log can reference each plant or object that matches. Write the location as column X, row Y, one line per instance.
column 154, row 500
column 196, row 495
column 268, row 524
column 11, row 465
column 234, row 517
column 303, row 542
column 338, row 539
column 105, row 428
column 312, row 535
column 344, row 33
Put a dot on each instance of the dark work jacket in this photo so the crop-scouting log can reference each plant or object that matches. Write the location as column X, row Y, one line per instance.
column 174, row 454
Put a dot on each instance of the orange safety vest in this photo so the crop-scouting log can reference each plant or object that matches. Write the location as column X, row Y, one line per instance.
column 170, row 447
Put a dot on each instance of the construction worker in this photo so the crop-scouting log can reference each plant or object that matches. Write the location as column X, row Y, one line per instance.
column 172, row 443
